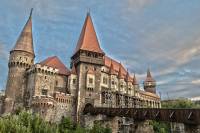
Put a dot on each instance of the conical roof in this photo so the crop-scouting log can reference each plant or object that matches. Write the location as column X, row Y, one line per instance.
column 112, row 71
column 128, row 78
column 25, row 40
column 88, row 39
column 120, row 74
column 149, row 78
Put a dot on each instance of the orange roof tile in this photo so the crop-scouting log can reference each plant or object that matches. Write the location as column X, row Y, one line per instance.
column 112, row 71
column 55, row 62
column 88, row 38
column 135, row 80
column 116, row 66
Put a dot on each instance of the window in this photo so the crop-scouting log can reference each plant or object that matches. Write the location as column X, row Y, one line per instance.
column 44, row 91
column 113, row 82
column 90, row 80
column 74, row 81
column 56, row 82
column 105, row 81
column 86, row 67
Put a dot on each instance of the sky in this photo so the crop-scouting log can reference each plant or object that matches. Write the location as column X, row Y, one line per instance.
column 163, row 35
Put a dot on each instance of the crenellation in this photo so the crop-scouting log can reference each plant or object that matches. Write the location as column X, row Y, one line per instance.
column 50, row 89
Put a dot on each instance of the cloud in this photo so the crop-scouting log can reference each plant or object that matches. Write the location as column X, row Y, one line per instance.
column 139, row 4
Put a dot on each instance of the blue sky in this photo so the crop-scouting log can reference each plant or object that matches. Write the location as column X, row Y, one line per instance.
column 161, row 34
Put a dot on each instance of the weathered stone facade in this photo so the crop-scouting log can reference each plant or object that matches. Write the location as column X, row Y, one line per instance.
column 52, row 90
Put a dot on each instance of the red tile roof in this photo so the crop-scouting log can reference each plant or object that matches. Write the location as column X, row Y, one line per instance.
column 112, row 71
column 55, row 62
column 116, row 66
column 88, row 38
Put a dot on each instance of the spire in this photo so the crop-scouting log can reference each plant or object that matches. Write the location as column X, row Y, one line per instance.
column 88, row 39
column 128, row 79
column 120, row 75
column 112, row 71
column 25, row 40
column 73, row 71
column 135, row 80
column 149, row 78
column 148, row 73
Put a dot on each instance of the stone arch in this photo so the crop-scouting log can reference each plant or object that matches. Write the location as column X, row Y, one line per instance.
column 87, row 107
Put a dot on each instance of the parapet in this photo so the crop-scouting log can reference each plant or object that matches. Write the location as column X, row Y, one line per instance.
column 42, row 69
column 43, row 101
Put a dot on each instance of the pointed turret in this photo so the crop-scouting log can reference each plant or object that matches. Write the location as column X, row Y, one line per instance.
column 149, row 78
column 25, row 40
column 149, row 83
column 120, row 75
column 88, row 39
column 135, row 80
column 128, row 79
column 112, row 71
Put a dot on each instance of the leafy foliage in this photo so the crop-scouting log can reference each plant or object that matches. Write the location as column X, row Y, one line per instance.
column 25, row 122
column 164, row 127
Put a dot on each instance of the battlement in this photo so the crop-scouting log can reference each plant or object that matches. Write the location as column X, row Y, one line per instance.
column 43, row 101
column 42, row 69
column 63, row 97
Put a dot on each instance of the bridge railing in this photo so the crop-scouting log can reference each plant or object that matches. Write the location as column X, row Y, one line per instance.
column 186, row 116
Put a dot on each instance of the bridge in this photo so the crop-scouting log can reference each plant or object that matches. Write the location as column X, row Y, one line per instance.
column 186, row 116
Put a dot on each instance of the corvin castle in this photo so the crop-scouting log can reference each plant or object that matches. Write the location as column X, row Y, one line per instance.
column 52, row 90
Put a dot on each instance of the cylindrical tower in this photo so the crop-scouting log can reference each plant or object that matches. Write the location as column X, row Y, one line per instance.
column 21, row 58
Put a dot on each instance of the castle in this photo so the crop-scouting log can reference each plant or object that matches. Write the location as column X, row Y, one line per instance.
column 52, row 90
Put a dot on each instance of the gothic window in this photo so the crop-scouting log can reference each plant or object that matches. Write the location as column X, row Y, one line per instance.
column 44, row 91
column 90, row 80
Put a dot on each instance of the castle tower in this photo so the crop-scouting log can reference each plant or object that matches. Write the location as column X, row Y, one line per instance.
column 149, row 83
column 88, row 57
column 21, row 58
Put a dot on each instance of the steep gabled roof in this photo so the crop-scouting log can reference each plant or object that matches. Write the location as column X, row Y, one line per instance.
column 116, row 65
column 88, row 39
column 111, row 70
column 135, row 80
column 55, row 62
column 128, row 78
column 25, row 40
